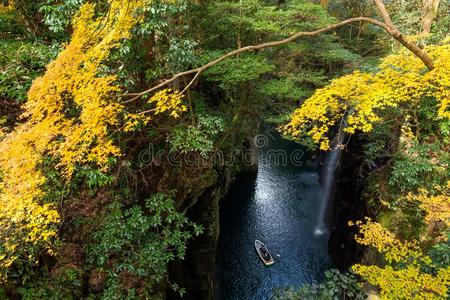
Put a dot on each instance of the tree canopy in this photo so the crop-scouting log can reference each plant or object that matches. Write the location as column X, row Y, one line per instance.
column 91, row 91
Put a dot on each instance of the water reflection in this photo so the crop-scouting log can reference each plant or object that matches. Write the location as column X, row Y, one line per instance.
column 279, row 206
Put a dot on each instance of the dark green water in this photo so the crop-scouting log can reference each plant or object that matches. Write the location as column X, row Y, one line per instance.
column 279, row 206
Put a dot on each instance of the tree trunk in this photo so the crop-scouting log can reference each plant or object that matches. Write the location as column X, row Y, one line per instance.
column 396, row 34
column 30, row 15
column 325, row 3
column 430, row 10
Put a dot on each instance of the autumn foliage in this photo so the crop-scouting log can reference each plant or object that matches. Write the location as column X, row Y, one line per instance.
column 403, row 276
column 69, row 114
column 354, row 102
column 114, row 87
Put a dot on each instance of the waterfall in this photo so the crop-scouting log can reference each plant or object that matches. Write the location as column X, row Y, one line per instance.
column 328, row 179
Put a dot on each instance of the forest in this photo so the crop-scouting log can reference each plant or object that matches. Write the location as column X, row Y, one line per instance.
column 125, row 126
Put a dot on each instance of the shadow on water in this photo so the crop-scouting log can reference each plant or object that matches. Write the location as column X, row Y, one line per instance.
column 279, row 206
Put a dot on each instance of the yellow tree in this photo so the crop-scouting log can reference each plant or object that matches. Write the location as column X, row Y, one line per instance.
column 357, row 100
column 403, row 275
column 73, row 81
column 435, row 206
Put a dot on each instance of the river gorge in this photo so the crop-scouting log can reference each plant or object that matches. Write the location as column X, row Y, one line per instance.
column 298, row 202
column 278, row 205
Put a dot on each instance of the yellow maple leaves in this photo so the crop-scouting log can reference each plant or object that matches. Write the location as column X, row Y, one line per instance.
column 6, row 7
column 435, row 206
column 438, row 79
column 355, row 101
column 407, row 283
column 68, row 113
column 375, row 235
column 403, row 277
column 163, row 101
column 168, row 100
column 73, row 83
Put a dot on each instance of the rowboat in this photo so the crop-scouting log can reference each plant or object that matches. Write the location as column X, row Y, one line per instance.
column 263, row 253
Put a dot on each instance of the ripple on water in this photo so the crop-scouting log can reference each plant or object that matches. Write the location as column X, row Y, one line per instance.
column 279, row 207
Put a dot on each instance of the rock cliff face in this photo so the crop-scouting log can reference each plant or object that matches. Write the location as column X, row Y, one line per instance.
column 348, row 205
column 197, row 272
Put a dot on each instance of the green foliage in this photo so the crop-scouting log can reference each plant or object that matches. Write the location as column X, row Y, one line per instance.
column 173, row 50
column 180, row 55
column 136, row 244
column 311, row 77
column 336, row 286
column 199, row 138
column 285, row 88
column 20, row 63
column 440, row 253
column 288, row 72
column 429, row 123
column 30, row 18
column 406, row 15
column 157, row 17
column 235, row 71
column 66, row 284
column 277, row 119
column 374, row 150
column 58, row 14
column 338, row 55
column 58, row 190
column 420, row 166
column 378, row 145
column 9, row 23
column 95, row 179
column 254, row 19
column 441, row 28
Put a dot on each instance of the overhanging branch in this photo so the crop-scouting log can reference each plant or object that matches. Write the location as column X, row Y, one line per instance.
column 197, row 71
column 396, row 34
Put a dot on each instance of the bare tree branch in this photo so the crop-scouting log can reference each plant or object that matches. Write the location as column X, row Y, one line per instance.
column 396, row 34
column 383, row 13
column 390, row 29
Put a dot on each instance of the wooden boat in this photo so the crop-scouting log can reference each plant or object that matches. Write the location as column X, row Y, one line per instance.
column 263, row 253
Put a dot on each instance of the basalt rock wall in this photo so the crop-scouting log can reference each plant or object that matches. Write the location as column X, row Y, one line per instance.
column 348, row 205
column 197, row 272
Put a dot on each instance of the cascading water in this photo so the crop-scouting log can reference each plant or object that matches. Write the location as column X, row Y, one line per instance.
column 328, row 176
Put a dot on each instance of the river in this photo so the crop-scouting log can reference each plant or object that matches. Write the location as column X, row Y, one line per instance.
column 278, row 205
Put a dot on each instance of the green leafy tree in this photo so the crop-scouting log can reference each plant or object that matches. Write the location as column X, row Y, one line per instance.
column 199, row 138
column 336, row 285
column 133, row 246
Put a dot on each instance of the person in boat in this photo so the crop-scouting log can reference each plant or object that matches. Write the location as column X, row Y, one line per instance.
column 264, row 253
